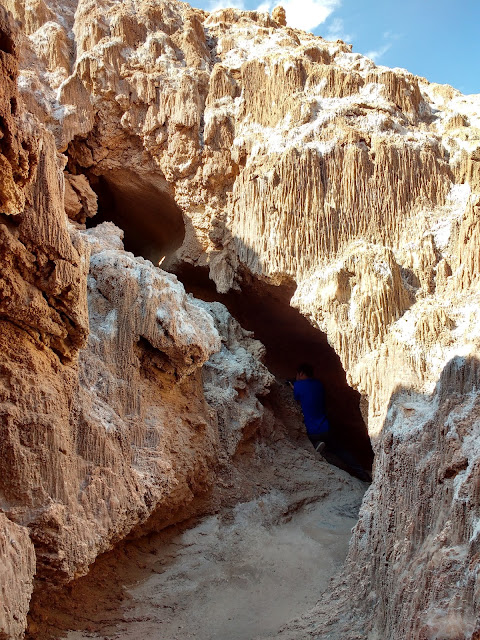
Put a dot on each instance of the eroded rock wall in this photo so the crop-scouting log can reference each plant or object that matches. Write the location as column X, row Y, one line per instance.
column 18, row 567
column 292, row 158
column 43, row 317
column 103, row 416
column 413, row 559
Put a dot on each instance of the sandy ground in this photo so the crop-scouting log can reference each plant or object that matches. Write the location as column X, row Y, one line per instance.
column 278, row 528
column 233, row 577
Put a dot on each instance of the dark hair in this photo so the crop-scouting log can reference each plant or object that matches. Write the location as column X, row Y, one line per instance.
column 306, row 369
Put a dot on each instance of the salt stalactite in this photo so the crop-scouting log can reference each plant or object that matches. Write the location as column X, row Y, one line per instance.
column 220, row 85
column 262, row 85
column 332, row 81
column 402, row 90
column 468, row 168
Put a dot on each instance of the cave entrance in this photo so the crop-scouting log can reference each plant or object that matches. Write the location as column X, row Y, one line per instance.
column 142, row 207
column 290, row 339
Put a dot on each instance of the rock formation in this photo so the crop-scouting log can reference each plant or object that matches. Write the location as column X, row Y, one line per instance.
column 289, row 158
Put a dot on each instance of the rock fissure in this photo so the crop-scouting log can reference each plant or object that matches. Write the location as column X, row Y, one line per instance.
column 290, row 340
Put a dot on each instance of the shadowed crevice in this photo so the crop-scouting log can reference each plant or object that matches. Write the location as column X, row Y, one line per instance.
column 290, row 339
column 143, row 209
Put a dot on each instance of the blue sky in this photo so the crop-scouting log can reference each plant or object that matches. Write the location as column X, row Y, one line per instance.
column 437, row 39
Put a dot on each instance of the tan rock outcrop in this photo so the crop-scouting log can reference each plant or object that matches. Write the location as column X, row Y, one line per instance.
column 80, row 200
column 126, row 432
column 291, row 158
column 43, row 286
column 16, row 159
column 79, row 472
column 279, row 15
column 234, row 378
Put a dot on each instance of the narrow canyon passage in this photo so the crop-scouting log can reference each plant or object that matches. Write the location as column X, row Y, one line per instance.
column 290, row 339
column 235, row 580
column 274, row 533
column 269, row 536
column 237, row 574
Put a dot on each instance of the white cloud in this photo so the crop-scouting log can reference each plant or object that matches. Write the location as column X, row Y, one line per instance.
column 390, row 37
column 336, row 31
column 303, row 14
column 214, row 5
column 265, row 6
column 308, row 14
column 376, row 54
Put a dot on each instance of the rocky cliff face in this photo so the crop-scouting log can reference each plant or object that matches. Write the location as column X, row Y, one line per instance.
column 289, row 158
column 104, row 419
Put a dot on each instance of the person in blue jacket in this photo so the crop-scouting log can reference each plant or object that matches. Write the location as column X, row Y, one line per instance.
column 310, row 393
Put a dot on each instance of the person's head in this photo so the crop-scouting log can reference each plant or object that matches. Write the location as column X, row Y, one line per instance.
column 304, row 371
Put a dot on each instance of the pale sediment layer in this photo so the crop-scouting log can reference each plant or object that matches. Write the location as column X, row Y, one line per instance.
column 229, row 576
column 291, row 158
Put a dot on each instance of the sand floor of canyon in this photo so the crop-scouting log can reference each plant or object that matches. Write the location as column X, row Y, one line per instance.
column 237, row 575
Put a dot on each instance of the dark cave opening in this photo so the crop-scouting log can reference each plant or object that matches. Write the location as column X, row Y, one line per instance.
column 154, row 229
column 290, row 339
column 142, row 207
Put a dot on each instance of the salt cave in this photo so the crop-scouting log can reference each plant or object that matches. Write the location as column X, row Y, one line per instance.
column 289, row 339
column 335, row 206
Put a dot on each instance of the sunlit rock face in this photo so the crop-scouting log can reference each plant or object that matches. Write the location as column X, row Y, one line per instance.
column 289, row 157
